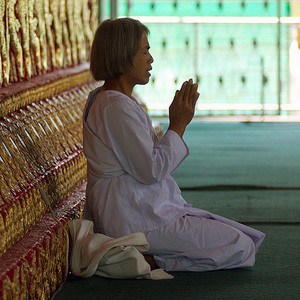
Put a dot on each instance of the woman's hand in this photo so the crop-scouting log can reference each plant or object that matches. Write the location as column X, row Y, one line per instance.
column 182, row 109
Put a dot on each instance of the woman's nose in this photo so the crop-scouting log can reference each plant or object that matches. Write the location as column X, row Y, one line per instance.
column 151, row 60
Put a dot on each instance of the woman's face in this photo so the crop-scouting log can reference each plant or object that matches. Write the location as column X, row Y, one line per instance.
column 140, row 72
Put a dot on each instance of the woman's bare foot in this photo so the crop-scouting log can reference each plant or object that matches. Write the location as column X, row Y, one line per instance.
column 150, row 260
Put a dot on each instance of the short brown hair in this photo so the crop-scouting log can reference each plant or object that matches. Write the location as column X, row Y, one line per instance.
column 115, row 44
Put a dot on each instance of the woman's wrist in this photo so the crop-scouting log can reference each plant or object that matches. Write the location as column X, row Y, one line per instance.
column 179, row 130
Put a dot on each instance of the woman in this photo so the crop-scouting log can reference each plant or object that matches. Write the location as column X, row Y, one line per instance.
column 130, row 187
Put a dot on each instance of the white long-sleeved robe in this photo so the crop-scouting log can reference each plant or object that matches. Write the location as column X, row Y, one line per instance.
column 130, row 187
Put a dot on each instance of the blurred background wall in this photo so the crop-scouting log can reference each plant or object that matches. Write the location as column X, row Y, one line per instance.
column 244, row 53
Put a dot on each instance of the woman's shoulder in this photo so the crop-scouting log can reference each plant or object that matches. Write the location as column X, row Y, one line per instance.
column 116, row 99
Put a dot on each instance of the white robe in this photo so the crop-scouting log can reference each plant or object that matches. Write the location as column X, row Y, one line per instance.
column 130, row 187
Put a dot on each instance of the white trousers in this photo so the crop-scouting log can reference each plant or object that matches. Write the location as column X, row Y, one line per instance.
column 194, row 243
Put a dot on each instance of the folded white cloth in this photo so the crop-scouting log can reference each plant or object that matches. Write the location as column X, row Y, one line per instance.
column 95, row 253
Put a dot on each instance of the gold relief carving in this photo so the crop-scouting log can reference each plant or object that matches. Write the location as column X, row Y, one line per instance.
column 4, row 42
column 25, row 213
column 20, row 160
column 3, row 234
column 50, row 137
column 11, row 172
column 8, row 288
column 24, row 278
column 49, row 36
column 32, row 208
column 13, row 179
column 65, row 124
column 37, row 276
column 94, row 14
column 40, row 134
column 31, row 273
column 33, row 138
column 31, row 152
column 6, row 195
column 13, row 74
column 62, row 254
column 8, row 226
column 41, row 28
column 86, row 19
column 58, row 128
column 34, row 40
column 58, row 20
column 79, row 30
column 43, row 147
column 28, row 145
column 54, row 245
column 29, row 96
column 38, row 36
column 15, row 40
column 45, row 263
column 65, row 34
column 53, row 134
column 38, row 203
column 18, row 229
column 2, row 37
column 70, row 7
column 22, row 13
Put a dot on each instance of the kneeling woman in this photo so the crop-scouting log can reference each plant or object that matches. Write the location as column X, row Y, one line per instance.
column 130, row 187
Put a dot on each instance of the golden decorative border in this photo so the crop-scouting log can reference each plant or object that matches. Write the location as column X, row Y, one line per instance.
column 21, row 94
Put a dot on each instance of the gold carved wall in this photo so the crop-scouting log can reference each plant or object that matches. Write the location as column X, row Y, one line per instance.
column 39, row 36
column 44, row 83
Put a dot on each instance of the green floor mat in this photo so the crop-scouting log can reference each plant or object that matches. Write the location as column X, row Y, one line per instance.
column 275, row 276
column 249, row 206
column 249, row 172
column 262, row 154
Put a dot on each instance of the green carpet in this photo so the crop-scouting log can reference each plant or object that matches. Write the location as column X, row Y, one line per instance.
column 249, row 206
column 262, row 154
column 275, row 276
column 249, row 172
